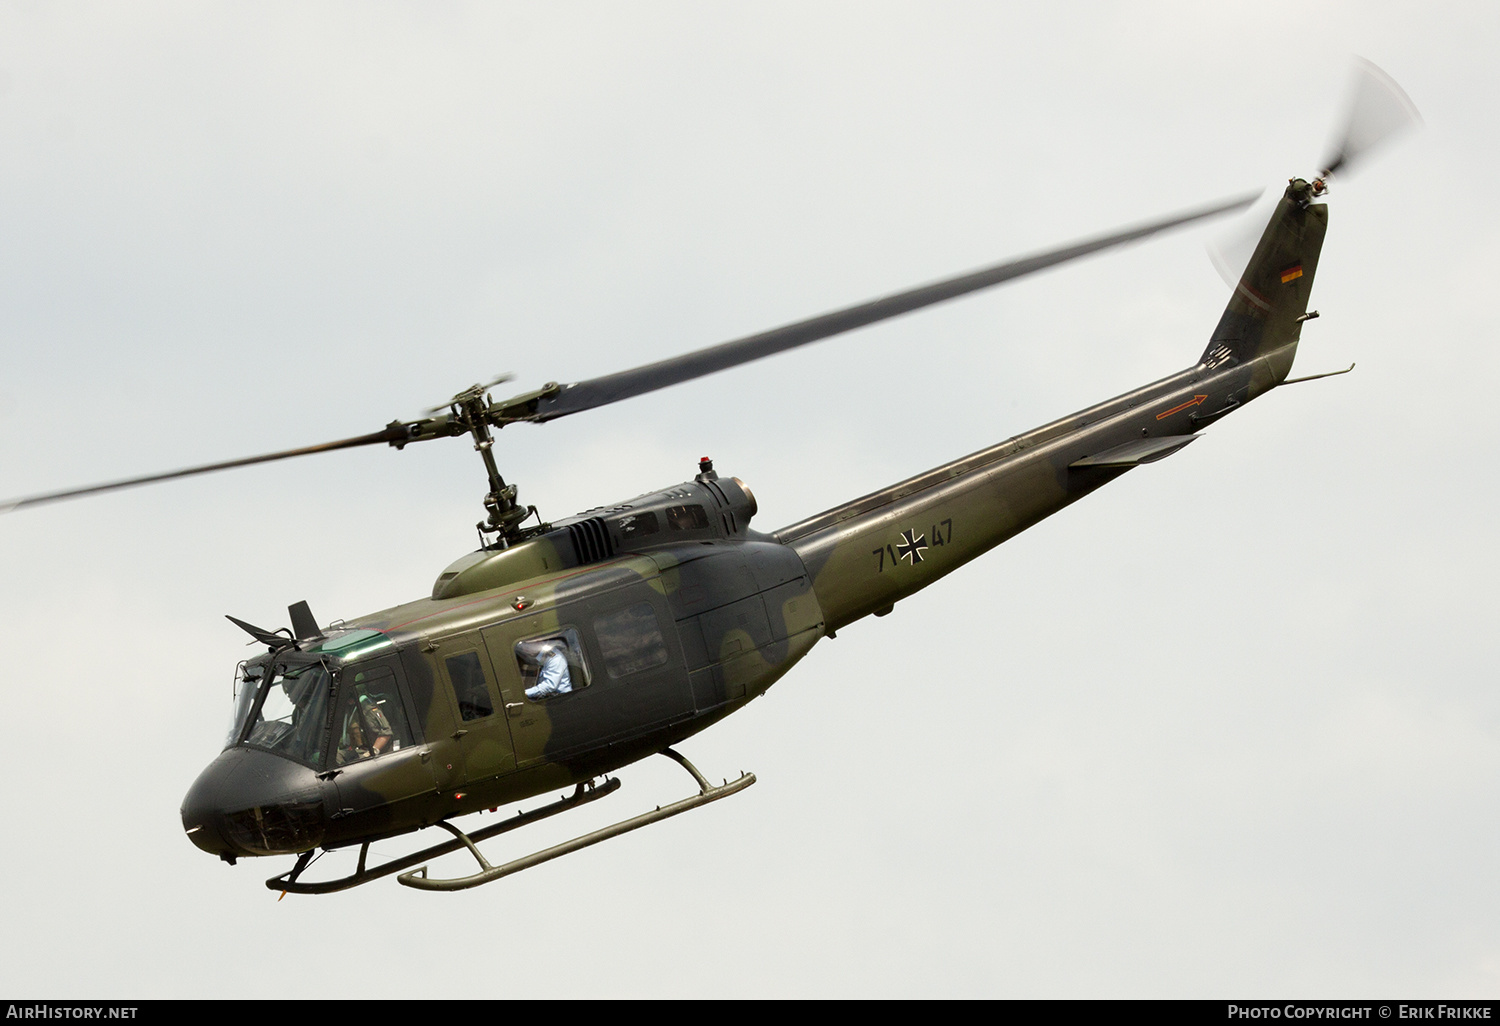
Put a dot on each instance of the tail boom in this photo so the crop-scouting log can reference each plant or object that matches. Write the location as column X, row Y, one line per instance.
column 866, row 555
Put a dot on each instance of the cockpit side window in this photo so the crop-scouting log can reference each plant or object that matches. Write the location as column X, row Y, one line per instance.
column 552, row 664
column 370, row 720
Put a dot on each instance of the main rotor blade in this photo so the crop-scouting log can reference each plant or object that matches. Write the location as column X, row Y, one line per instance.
column 393, row 433
column 586, row 395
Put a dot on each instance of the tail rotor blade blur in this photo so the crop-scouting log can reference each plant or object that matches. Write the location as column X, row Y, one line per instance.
column 1378, row 109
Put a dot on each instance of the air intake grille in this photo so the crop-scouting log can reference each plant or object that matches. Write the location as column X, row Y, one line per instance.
column 591, row 540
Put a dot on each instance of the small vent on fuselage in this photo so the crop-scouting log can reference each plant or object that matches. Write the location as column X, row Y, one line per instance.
column 442, row 582
column 591, row 540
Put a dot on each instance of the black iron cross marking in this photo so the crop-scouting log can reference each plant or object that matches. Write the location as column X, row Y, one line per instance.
column 912, row 546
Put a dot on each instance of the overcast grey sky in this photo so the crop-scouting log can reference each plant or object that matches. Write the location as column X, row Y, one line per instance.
column 1228, row 727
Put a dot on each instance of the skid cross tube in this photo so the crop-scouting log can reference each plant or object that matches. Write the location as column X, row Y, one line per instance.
column 706, row 793
column 582, row 795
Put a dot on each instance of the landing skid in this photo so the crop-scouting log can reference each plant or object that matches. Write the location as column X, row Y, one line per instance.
column 582, row 795
column 706, row 793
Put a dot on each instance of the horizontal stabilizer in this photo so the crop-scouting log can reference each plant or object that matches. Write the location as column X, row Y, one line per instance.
column 1142, row 450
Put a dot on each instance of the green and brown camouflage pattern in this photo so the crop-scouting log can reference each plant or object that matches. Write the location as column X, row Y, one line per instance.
column 735, row 609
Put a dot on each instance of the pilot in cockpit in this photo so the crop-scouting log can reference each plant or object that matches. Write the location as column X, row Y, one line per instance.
column 367, row 732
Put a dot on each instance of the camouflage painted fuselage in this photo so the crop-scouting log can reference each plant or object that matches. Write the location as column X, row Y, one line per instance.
column 674, row 614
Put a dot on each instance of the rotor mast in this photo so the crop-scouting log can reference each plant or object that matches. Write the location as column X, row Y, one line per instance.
column 471, row 409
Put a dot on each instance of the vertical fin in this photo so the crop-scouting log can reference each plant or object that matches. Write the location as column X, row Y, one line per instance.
column 1262, row 316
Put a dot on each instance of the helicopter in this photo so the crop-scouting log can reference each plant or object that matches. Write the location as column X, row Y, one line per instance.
column 558, row 652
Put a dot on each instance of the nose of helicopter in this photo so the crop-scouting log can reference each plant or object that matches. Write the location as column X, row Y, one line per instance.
column 249, row 802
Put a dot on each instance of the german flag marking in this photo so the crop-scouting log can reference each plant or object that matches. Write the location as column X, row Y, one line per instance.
column 1291, row 274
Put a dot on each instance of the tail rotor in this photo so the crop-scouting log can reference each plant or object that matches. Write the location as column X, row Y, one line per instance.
column 1376, row 109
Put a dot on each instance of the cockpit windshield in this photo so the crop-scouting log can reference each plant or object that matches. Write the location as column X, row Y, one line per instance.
column 247, row 681
column 283, row 707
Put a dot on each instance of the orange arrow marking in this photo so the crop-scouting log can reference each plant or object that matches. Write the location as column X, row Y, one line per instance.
column 1196, row 400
